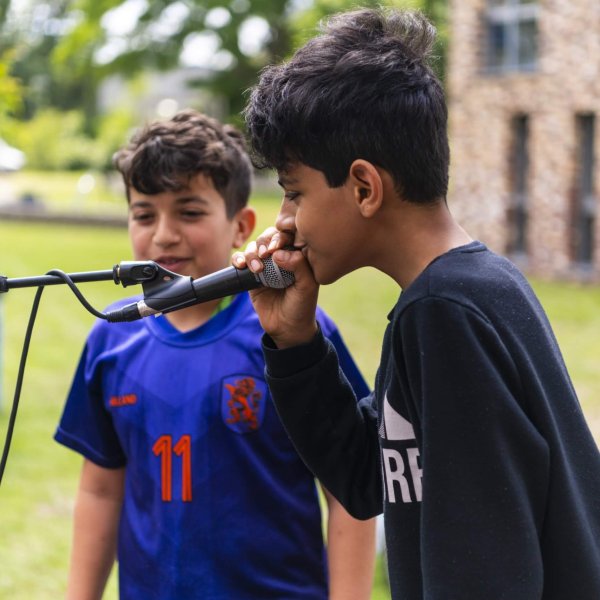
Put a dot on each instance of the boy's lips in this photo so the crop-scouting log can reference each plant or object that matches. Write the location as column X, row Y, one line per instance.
column 171, row 262
column 304, row 250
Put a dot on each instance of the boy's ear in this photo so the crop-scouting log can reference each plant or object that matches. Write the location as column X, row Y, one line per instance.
column 367, row 187
column 244, row 220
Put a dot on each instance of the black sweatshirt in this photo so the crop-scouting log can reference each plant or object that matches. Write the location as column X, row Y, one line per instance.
column 473, row 444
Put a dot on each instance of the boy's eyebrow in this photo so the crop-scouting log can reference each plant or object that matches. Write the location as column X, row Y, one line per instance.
column 182, row 200
column 191, row 198
column 140, row 204
column 285, row 180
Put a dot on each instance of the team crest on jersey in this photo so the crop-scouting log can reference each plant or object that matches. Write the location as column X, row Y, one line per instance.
column 243, row 402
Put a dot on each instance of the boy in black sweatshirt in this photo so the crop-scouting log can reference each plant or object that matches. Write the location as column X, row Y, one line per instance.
column 473, row 444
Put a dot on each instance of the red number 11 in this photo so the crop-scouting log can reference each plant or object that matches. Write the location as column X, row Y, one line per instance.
column 164, row 448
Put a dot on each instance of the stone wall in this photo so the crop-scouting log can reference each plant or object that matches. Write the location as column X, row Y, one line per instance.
column 565, row 83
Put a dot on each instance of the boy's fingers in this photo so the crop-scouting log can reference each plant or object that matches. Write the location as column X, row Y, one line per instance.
column 243, row 259
column 268, row 237
column 288, row 259
column 281, row 239
column 249, row 258
column 238, row 260
column 270, row 240
column 294, row 261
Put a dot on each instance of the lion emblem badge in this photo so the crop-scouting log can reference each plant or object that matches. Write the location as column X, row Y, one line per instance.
column 243, row 403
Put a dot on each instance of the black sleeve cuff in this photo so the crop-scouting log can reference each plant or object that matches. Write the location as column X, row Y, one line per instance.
column 286, row 362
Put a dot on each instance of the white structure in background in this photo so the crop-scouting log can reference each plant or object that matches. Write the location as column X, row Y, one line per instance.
column 11, row 159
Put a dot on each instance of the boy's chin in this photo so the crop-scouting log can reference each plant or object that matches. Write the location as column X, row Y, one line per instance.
column 324, row 277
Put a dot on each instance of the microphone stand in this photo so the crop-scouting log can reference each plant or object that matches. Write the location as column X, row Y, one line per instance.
column 125, row 273
column 152, row 277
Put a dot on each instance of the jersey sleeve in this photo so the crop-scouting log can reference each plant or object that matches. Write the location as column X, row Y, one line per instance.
column 335, row 434
column 85, row 425
column 484, row 464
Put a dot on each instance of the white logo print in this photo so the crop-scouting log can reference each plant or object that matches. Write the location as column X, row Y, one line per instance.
column 394, row 427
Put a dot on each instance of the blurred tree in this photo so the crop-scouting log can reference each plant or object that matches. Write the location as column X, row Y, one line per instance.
column 437, row 11
column 4, row 4
column 230, row 41
column 31, row 32
column 10, row 86
column 10, row 89
column 62, row 50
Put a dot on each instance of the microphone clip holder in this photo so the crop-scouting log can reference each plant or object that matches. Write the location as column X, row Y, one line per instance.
column 126, row 273
column 167, row 291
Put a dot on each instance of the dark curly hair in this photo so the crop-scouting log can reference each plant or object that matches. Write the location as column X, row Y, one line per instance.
column 165, row 155
column 360, row 89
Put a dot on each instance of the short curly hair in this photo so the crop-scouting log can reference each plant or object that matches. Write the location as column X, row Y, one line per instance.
column 165, row 155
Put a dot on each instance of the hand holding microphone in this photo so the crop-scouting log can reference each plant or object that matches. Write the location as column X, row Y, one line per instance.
column 287, row 315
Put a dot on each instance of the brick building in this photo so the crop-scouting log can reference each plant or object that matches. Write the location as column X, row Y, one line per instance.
column 524, row 94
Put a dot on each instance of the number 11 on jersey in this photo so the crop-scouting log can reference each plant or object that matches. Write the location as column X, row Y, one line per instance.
column 164, row 448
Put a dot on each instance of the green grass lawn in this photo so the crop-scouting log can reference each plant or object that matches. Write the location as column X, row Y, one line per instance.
column 36, row 497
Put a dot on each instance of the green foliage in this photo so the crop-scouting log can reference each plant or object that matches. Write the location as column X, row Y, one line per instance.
column 113, row 132
column 10, row 89
column 437, row 11
column 56, row 140
column 148, row 46
column 4, row 4
column 55, row 71
column 32, row 35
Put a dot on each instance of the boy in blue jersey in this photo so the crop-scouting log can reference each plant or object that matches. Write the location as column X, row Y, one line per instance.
column 188, row 474
column 473, row 443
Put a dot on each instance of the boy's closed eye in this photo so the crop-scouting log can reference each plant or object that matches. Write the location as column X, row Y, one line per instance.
column 193, row 214
column 142, row 217
column 291, row 196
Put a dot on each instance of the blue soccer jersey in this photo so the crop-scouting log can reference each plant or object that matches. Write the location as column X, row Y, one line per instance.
column 217, row 504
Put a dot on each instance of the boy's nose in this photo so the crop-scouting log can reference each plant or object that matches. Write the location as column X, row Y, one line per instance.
column 165, row 234
column 286, row 219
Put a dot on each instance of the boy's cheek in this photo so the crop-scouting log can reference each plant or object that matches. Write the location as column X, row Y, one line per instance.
column 138, row 245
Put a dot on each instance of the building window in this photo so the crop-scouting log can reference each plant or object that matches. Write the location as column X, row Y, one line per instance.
column 512, row 35
column 519, row 171
column 584, row 213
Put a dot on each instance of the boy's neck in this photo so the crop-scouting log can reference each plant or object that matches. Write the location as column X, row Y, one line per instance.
column 416, row 235
column 190, row 318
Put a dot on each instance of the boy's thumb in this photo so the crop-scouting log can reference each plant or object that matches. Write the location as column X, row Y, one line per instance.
column 295, row 262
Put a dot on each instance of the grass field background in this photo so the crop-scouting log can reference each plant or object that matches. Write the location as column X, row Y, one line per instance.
column 36, row 497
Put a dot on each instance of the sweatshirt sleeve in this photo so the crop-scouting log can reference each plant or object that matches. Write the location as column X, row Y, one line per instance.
column 335, row 435
column 485, row 465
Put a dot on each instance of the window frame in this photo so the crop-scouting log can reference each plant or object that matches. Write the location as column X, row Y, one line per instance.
column 510, row 15
column 585, row 209
column 519, row 166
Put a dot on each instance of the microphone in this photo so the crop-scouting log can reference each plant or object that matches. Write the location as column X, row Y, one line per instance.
column 179, row 292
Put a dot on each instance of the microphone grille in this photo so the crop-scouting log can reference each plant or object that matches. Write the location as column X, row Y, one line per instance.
column 274, row 277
